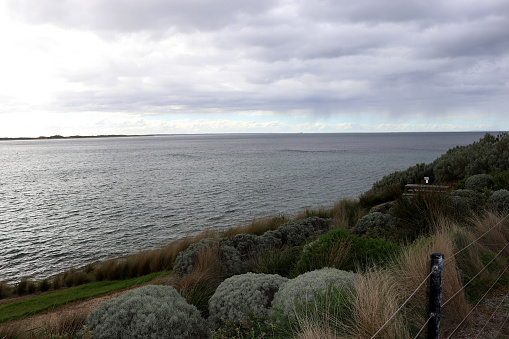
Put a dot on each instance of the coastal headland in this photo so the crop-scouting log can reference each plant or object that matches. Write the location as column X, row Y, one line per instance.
column 53, row 137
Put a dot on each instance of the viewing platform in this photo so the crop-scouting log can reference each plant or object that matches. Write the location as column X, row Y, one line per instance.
column 411, row 189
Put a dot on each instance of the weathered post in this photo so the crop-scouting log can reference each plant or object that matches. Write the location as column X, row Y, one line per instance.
column 435, row 294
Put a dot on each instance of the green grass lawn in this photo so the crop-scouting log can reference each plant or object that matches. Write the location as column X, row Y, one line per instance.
column 44, row 302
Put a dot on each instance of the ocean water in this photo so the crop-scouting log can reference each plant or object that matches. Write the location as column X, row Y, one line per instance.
column 69, row 202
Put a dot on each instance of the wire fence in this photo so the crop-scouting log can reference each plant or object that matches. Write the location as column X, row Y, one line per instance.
column 448, row 302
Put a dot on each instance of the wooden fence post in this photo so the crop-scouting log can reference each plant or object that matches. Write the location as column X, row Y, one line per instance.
column 435, row 294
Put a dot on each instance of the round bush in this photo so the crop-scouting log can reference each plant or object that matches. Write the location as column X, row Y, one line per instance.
column 499, row 201
column 246, row 244
column 479, row 181
column 228, row 255
column 382, row 208
column 296, row 232
column 304, row 287
column 241, row 295
column 458, row 203
column 372, row 220
column 271, row 239
column 147, row 312
column 467, row 199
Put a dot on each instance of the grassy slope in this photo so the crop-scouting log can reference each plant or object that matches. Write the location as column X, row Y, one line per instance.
column 44, row 302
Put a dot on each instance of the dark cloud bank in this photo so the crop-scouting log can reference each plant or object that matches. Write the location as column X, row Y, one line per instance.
column 395, row 57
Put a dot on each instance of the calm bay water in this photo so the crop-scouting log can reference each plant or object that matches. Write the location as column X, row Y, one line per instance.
column 68, row 202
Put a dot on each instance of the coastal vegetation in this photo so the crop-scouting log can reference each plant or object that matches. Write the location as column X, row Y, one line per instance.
column 326, row 273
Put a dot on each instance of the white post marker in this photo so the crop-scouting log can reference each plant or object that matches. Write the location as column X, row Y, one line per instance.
column 426, row 179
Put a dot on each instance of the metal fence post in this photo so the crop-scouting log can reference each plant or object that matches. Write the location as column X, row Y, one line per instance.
column 435, row 294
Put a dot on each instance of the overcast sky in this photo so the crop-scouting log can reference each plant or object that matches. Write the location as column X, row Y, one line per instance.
column 211, row 66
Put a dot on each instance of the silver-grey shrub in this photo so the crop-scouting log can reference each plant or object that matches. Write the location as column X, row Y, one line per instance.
column 479, row 181
column 304, row 287
column 228, row 255
column 372, row 220
column 499, row 201
column 147, row 312
column 383, row 208
column 245, row 244
column 467, row 199
column 297, row 232
column 271, row 239
column 242, row 295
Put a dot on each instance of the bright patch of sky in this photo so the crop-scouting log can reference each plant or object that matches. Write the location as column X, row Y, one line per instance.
column 222, row 66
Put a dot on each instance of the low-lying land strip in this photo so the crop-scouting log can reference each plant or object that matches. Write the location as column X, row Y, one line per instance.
column 44, row 302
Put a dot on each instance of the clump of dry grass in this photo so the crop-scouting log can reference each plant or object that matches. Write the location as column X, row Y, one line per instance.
column 375, row 301
column 414, row 266
column 5, row 289
column 325, row 213
column 346, row 212
column 257, row 226
column 198, row 286
column 147, row 262
column 312, row 327
column 65, row 324
column 497, row 238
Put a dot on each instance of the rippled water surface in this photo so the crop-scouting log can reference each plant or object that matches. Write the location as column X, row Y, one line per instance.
column 68, row 202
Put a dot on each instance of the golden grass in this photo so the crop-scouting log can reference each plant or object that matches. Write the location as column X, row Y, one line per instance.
column 257, row 226
column 314, row 328
column 148, row 261
column 495, row 239
column 198, row 286
column 321, row 212
column 377, row 298
column 64, row 323
column 346, row 212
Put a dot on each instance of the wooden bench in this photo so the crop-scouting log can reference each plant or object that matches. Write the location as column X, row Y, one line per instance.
column 411, row 189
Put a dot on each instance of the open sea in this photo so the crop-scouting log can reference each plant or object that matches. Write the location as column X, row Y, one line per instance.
column 69, row 202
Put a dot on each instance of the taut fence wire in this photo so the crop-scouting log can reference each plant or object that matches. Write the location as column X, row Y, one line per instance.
column 460, row 290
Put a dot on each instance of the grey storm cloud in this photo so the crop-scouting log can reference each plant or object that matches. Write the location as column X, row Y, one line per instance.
column 133, row 15
column 329, row 57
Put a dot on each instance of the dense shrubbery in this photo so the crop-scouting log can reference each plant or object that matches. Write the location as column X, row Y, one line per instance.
column 343, row 250
column 372, row 220
column 240, row 296
column 464, row 200
column 303, row 288
column 499, row 201
column 479, row 181
column 236, row 249
column 271, row 239
column 399, row 179
column 147, row 312
column 488, row 155
column 245, row 244
column 296, row 233
column 417, row 215
column 501, row 180
column 383, row 208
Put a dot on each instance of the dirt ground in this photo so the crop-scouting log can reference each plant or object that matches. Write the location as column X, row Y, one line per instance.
column 489, row 319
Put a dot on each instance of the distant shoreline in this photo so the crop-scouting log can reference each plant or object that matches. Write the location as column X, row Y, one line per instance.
column 59, row 137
